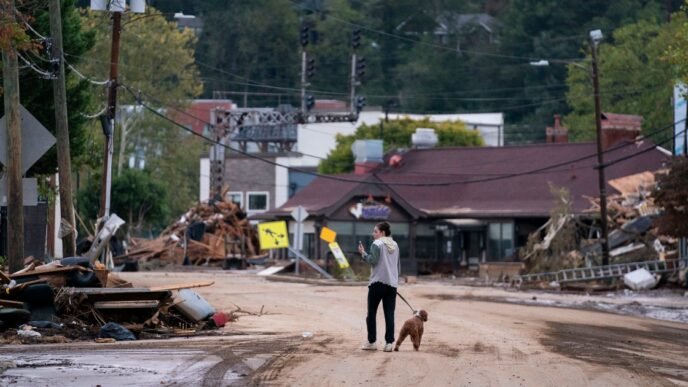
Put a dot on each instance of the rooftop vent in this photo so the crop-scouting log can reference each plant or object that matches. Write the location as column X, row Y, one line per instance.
column 424, row 138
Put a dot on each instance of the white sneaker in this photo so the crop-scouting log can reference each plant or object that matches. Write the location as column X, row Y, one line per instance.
column 389, row 347
column 369, row 347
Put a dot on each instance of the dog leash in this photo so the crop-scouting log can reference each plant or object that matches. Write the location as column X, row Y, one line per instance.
column 407, row 303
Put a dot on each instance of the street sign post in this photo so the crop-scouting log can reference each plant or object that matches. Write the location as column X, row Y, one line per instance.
column 299, row 214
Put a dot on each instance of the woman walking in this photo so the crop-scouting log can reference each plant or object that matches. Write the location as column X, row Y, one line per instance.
column 384, row 279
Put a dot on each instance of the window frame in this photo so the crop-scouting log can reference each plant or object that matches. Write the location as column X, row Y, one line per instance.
column 248, row 201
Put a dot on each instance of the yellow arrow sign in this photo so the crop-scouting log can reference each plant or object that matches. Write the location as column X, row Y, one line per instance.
column 273, row 235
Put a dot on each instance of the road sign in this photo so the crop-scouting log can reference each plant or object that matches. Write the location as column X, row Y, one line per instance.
column 339, row 255
column 273, row 235
column 299, row 214
column 36, row 140
column 30, row 193
column 328, row 235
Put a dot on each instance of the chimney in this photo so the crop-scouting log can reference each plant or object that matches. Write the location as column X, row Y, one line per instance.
column 619, row 127
column 557, row 134
column 367, row 155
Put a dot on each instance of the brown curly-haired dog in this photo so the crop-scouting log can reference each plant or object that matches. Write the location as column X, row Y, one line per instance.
column 413, row 327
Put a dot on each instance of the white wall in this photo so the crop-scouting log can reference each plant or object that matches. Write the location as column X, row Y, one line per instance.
column 282, row 175
column 319, row 139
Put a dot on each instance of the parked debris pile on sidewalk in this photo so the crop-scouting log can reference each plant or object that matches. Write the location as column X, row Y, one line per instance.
column 568, row 241
column 212, row 231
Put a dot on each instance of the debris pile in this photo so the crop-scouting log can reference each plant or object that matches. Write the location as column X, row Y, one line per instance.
column 569, row 241
column 76, row 298
column 211, row 232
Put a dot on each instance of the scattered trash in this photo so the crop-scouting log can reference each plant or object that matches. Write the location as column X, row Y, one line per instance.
column 44, row 325
column 192, row 305
column 307, row 335
column 115, row 331
column 640, row 279
column 27, row 333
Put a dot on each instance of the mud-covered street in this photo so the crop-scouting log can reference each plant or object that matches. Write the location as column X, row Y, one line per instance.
column 310, row 335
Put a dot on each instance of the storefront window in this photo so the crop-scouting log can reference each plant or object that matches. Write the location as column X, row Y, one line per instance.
column 425, row 241
column 500, row 241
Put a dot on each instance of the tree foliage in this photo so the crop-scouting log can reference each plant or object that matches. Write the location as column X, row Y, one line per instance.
column 155, row 56
column 637, row 54
column 157, row 59
column 672, row 195
column 249, row 43
column 137, row 197
column 36, row 91
column 396, row 134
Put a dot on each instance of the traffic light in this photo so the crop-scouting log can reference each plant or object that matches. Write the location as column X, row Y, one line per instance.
column 310, row 68
column 356, row 38
column 310, row 102
column 360, row 103
column 305, row 32
column 360, row 67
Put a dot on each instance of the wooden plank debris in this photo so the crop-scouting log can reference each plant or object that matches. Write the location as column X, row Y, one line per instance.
column 225, row 232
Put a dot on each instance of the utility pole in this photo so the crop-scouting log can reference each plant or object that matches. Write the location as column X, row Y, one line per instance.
column 595, row 37
column 15, row 203
column 109, row 119
column 64, row 164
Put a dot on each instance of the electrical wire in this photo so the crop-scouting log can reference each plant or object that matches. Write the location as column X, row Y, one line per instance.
column 32, row 66
column 480, row 180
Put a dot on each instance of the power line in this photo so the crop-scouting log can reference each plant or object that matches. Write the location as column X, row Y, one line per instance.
column 480, row 180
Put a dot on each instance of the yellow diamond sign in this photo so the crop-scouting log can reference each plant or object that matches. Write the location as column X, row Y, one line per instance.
column 328, row 235
column 273, row 235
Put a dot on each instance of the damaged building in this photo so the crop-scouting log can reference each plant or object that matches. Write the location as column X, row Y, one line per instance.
column 452, row 209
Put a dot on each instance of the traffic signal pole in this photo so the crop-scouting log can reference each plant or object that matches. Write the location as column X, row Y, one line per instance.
column 353, row 83
column 303, row 81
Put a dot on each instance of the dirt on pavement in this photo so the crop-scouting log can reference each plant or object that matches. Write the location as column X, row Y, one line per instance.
column 310, row 335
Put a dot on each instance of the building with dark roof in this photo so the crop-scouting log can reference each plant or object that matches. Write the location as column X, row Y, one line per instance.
column 453, row 207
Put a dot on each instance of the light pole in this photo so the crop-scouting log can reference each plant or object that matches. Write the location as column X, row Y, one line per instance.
column 595, row 38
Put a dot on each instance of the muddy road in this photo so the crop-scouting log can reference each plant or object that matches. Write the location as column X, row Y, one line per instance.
column 310, row 335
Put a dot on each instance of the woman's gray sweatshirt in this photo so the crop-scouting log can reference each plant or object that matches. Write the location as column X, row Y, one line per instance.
column 384, row 257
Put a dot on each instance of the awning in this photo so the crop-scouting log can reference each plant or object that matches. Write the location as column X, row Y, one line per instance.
column 465, row 222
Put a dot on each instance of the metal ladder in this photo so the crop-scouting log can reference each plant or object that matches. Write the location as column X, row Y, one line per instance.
column 608, row 271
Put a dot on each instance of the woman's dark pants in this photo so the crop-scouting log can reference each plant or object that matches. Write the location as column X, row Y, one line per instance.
column 388, row 295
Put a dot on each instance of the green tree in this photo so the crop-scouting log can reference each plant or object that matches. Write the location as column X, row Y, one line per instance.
column 157, row 59
column 396, row 134
column 634, row 79
column 35, row 87
column 676, row 52
column 672, row 195
column 248, row 44
column 137, row 197
column 536, row 29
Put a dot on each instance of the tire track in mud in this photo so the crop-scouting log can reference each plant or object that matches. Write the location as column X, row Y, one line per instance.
column 638, row 351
